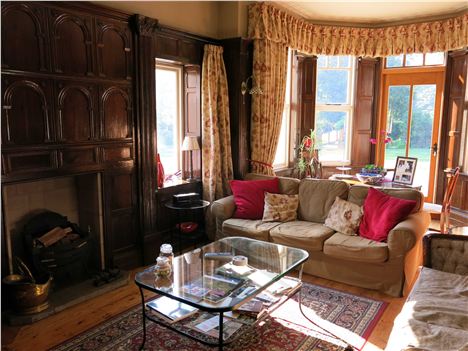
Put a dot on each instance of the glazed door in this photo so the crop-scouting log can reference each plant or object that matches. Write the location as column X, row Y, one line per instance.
column 410, row 115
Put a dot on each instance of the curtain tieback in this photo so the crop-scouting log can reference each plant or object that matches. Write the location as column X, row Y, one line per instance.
column 261, row 163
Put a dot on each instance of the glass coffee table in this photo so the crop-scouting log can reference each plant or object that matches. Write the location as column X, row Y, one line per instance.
column 214, row 280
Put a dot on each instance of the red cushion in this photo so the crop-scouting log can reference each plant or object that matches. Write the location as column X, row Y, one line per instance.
column 249, row 196
column 382, row 212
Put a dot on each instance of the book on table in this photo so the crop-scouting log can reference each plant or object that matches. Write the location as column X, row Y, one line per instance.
column 213, row 288
column 171, row 310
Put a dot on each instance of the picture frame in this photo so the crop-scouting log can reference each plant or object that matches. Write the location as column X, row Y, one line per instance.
column 405, row 168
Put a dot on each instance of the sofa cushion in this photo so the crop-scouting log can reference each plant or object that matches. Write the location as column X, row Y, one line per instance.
column 382, row 212
column 287, row 185
column 355, row 248
column 249, row 196
column 344, row 217
column 316, row 196
column 280, row 207
column 358, row 193
column 435, row 315
column 305, row 235
column 255, row 229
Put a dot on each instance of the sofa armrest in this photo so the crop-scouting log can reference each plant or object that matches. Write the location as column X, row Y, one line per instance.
column 446, row 252
column 223, row 208
column 407, row 233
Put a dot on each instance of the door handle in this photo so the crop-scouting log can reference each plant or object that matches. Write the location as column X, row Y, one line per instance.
column 435, row 148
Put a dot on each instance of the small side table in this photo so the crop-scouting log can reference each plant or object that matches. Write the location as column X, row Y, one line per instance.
column 180, row 209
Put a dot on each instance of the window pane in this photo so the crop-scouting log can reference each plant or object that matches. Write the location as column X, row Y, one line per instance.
column 345, row 61
column 422, row 119
column 167, row 118
column 414, row 60
column 395, row 61
column 333, row 61
column 322, row 61
column 435, row 58
column 332, row 134
column 332, row 86
column 397, row 123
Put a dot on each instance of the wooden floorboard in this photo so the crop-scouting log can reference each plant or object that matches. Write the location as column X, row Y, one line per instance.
column 54, row 330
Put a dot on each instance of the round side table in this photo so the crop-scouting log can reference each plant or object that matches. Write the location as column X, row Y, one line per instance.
column 189, row 207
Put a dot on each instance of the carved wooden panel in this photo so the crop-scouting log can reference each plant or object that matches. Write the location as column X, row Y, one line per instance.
column 121, row 214
column 114, row 51
column 29, row 161
column 116, row 115
column 76, row 58
column 26, row 112
column 75, row 106
column 117, row 153
column 83, row 156
column 23, row 37
column 166, row 46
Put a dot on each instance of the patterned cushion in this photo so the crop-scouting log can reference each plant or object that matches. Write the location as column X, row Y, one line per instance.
column 344, row 217
column 280, row 207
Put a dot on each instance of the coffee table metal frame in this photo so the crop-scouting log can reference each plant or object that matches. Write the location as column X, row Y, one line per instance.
column 221, row 310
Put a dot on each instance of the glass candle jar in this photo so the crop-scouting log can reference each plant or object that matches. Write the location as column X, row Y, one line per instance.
column 163, row 267
column 166, row 251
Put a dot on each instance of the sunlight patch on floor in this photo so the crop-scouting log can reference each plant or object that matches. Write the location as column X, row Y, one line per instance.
column 291, row 317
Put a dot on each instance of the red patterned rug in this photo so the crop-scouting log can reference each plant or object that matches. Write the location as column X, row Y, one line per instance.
column 348, row 316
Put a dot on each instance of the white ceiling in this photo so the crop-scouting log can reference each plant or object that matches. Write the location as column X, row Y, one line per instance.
column 370, row 12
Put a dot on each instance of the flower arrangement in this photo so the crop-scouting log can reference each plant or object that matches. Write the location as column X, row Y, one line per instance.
column 380, row 143
column 308, row 163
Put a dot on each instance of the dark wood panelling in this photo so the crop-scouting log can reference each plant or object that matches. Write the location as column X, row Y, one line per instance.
column 121, row 219
column 66, row 28
column 78, row 156
column 237, row 56
column 114, row 50
column 76, row 108
column 365, row 117
column 23, row 34
column 26, row 113
column 29, row 161
column 67, row 90
column 116, row 113
column 117, row 153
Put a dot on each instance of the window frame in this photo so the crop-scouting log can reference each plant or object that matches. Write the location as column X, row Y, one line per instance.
column 421, row 67
column 339, row 107
column 179, row 69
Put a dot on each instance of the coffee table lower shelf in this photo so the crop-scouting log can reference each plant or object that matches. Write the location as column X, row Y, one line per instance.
column 220, row 343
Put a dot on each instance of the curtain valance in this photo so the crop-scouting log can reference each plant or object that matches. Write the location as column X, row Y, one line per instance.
column 270, row 23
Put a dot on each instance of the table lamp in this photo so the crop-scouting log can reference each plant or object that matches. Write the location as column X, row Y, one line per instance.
column 190, row 143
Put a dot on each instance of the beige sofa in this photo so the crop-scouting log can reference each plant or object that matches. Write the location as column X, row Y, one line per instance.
column 435, row 315
column 349, row 259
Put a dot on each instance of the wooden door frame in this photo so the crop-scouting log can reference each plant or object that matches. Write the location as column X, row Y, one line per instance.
column 413, row 76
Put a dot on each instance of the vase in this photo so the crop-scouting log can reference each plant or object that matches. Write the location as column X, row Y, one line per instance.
column 160, row 172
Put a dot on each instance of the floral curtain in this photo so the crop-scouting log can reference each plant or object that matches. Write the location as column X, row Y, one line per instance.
column 269, row 71
column 269, row 23
column 216, row 137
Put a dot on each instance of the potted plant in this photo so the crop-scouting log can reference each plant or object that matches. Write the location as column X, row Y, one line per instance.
column 308, row 164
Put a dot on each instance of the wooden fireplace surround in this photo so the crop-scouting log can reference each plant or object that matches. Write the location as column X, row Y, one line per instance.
column 78, row 97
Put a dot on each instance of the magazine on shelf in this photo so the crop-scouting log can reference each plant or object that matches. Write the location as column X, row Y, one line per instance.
column 171, row 310
column 209, row 324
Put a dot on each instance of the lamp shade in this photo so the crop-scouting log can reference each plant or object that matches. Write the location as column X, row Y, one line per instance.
column 190, row 143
